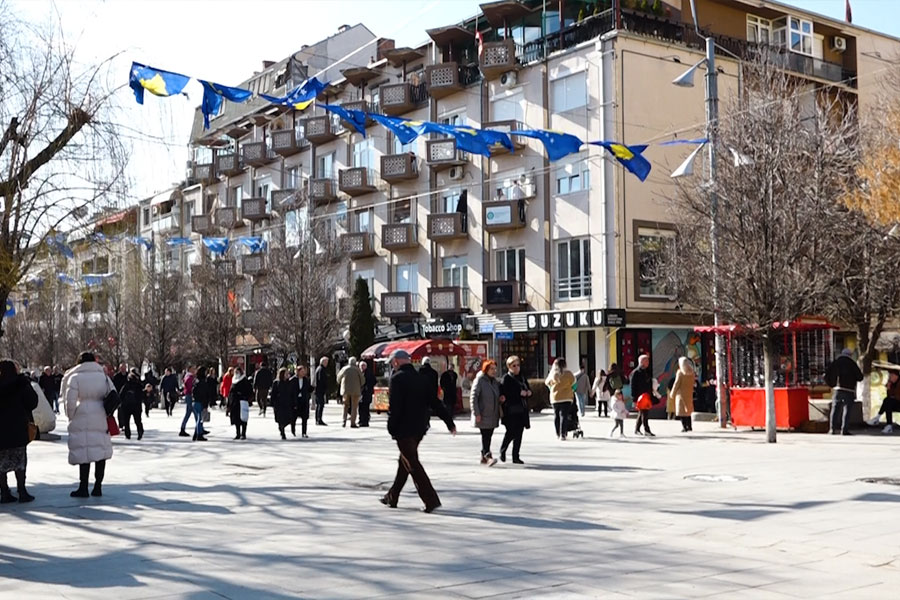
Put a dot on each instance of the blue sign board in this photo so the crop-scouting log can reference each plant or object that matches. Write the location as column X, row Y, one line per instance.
column 504, row 335
column 486, row 328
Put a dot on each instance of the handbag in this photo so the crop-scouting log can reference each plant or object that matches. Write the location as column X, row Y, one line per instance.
column 245, row 411
column 111, row 401
column 111, row 426
column 32, row 431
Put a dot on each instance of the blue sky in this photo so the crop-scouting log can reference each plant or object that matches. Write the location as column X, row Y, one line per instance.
column 226, row 40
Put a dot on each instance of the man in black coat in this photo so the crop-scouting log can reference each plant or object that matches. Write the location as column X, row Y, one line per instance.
column 642, row 383
column 408, row 418
column 120, row 378
column 843, row 374
column 448, row 386
column 262, row 383
column 365, row 403
column 431, row 378
column 169, row 389
column 47, row 382
column 321, row 387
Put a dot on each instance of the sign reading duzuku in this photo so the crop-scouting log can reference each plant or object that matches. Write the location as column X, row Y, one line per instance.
column 441, row 328
column 575, row 319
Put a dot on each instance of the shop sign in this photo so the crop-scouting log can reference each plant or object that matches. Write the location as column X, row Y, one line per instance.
column 442, row 328
column 504, row 335
column 575, row 319
column 499, row 215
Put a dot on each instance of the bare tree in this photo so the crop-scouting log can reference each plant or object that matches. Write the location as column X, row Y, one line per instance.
column 214, row 326
column 793, row 147
column 155, row 329
column 59, row 151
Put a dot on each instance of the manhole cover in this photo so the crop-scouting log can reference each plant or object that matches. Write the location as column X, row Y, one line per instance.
column 882, row 480
column 716, row 478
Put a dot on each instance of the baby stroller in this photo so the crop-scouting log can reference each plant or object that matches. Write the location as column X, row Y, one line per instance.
column 573, row 424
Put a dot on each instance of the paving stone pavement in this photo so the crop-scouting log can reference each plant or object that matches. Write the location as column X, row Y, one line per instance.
column 593, row 518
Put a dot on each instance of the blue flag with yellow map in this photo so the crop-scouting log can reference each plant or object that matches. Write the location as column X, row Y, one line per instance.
column 212, row 98
column 301, row 97
column 629, row 157
column 156, row 81
column 558, row 145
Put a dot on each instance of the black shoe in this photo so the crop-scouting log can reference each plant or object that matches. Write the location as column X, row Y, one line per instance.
column 322, row 423
column 305, row 436
column 201, row 439
column 387, row 501
column 140, row 436
column 243, row 437
column 846, row 433
column 650, row 433
column 284, row 437
column 127, row 437
column 7, row 498
column 432, row 508
column 237, row 437
column 518, row 461
column 97, row 491
column 81, row 492
column 636, row 432
column 183, row 433
column 503, row 456
column 204, row 432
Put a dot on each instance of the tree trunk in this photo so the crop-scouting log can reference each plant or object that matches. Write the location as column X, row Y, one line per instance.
column 768, row 359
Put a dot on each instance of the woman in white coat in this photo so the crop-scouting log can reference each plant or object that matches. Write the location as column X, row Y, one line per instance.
column 83, row 389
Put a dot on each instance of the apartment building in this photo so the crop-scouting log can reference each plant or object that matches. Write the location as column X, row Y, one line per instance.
column 544, row 259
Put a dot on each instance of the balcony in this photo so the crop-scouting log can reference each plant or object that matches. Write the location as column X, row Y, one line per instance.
column 225, row 267
column 254, row 209
column 320, row 130
column 256, row 154
column 399, row 305
column 399, row 236
column 498, row 58
column 518, row 142
column 288, row 199
column 357, row 181
column 253, row 264
column 442, row 153
column 446, row 226
column 399, row 167
column 358, row 245
column 202, row 224
column 287, row 142
column 322, row 190
column 227, row 217
column 502, row 215
column 503, row 295
column 170, row 223
column 448, row 78
column 229, row 164
column 363, row 105
column 205, row 173
column 400, row 98
column 446, row 301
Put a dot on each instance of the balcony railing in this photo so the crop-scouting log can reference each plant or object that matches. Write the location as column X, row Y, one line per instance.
column 399, row 167
column 202, row 224
column 322, row 129
column 573, row 288
column 168, row 224
column 253, row 264
column 447, row 300
column 287, row 142
column 322, row 190
column 502, row 215
column 498, row 57
column 205, row 173
column 450, row 77
column 400, row 98
column 254, row 209
column 399, row 305
column 503, row 295
column 256, row 154
column 227, row 217
column 229, row 164
column 363, row 105
column 358, row 245
column 442, row 153
column 518, row 141
column 357, row 181
column 288, row 199
column 399, row 236
column 225, row 267
column 446, row 226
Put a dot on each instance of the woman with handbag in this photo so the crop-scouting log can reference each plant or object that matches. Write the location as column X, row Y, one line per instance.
column 239, row 405
column 84, row 389
column 486, row 399
column 514, row 387
column 17, row 400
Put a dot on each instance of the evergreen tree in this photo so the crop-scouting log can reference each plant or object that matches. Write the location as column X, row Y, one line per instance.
column 362, row 321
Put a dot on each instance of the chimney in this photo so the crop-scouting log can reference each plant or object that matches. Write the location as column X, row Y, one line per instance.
column 267, row 64
column 383, row 45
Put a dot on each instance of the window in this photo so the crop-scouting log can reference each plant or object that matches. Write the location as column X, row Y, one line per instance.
column 449, row 201
column 510, row 265
column 801, row 36
column 188, row 208
column 401, row 211
column 369, row 277
column 515, row 187
column 759, row 30
column 407, row 279
column 509, row 108
column 325, row 166
column 340, row 214
column 653, row 246
column 456, row 119
column 364, row 153
column 264, row 189
column 235, row 196
column 146, row 213
column 364, row 220
column 573, row 263
column 292, row 178
column 568, row 93
column 455, row 272
column 575, row 181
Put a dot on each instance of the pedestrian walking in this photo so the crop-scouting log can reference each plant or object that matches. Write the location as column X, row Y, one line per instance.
column 683, row 393
column 17, row 401
column 190, row 379
column 408, row 421
column 203, row 396
column 365, row 401
column 561, row 383
column 285, row 396
column 430, row 376
column 619, row 411
column 515, row 390
column 582, row 387
column 842, row 375
column 891, row 403
column 351, row 381
column 304, row 391
column 240, row 396
column 48, row 383
column 168, row 387
column 485, row 402
column 151, row 385
column 642, row 395
column 601, row 393
column 84, row 387
column 120, row 378
column 448, row 387
column 225, row 388
column 132, row 404
column 262, row 383
column 321, row 388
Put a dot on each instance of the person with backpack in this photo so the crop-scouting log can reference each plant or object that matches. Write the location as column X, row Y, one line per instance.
column 132, row 406
column 843, row 374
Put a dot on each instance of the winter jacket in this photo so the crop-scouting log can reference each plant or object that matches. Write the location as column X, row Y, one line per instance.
column 263, row 379
column 641, row 382
column 204, row 392
column 240, row 390
column 408, row 412
column 371, row 381
column 304, row 394
column 17, row 400
column 83, row 389
column 284, row 398
column 119, row 380
column 321, row 384
column 582, row 384
column 617, row 408
column 515, row 408
column 430, row 376
column 169, row 384
column 560, row 385
column 448, row 384
column 683, row 392
column 190, row 380
column 48, row 385
column 132, row 395
column 351, row 380
column 485, row 401
column 843, row 374
column 43, row 415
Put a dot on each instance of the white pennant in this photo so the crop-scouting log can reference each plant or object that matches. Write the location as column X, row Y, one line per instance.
column 687, row 167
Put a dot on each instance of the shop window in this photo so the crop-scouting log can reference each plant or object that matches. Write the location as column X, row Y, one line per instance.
column 653, row 244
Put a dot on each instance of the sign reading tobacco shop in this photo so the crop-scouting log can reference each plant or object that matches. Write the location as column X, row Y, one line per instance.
column 441, row 328
column 576, row 319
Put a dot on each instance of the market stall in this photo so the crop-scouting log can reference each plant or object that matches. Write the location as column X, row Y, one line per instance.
column 417, row 349
column 803, row 349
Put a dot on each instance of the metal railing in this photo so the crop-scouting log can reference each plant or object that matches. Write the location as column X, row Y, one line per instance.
column 573, row 288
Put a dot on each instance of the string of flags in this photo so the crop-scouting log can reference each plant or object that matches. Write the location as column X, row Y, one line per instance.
column 216, row 245
column 484, row 142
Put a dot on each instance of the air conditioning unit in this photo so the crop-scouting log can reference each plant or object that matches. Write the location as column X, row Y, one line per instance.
column 456, row 173
column 508, row 79
column 838, row 43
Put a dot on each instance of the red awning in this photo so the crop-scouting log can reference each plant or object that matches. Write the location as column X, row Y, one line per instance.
column 417, row 349
column 113, row 218
column 801, row 324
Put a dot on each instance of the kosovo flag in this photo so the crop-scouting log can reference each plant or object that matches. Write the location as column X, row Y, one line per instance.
column 629, row 156
column 255, row 244
column 301, row 97
column 216, row 245
column 179, row 241
column 10, row 309
column 497, row 138
column 399, row 127
column 355, row 117
column 212, row 98
column 558, row 145
column 155, row 81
